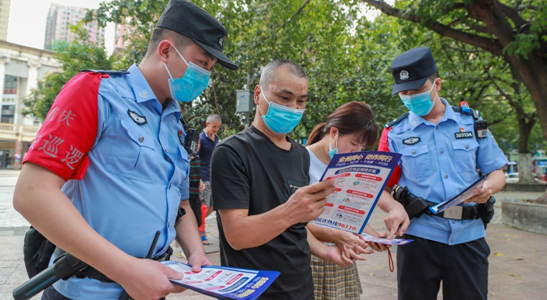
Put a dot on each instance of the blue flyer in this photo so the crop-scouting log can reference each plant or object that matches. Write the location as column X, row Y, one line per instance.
column 461, row 197
column 224, row 282
column 359, row 179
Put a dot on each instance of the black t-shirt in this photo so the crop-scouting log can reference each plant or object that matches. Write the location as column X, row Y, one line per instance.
column 249, row 171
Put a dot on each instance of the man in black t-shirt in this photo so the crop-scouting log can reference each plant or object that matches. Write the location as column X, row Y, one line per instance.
column 259, row 179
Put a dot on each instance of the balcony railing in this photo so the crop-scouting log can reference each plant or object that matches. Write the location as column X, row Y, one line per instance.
column 18, row 132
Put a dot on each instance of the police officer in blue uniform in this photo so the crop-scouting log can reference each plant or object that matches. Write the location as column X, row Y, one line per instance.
column 108, row 168
column 443, row 149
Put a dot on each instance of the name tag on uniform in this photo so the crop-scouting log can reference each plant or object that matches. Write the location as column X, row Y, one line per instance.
column 411, row 140
column 463, row 135
column 138, row 119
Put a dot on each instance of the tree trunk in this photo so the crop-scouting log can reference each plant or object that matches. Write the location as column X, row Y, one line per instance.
column 534, row 77
column 542, row 199
column 525, row 168
column 526, row 124
column 532, row 69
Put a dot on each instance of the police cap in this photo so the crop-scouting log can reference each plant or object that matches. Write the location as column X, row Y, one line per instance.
column 411, row 69
column 187, row 19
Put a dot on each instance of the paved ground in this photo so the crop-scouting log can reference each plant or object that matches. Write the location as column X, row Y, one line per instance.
column 518, row 264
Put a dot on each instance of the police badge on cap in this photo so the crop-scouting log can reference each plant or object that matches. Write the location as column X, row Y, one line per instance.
column 187, row 19
column 411, row 69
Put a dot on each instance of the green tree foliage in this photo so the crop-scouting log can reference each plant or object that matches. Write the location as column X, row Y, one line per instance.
column 74, row 57
column 341, row 52
column 513, row 32
column 346, row 57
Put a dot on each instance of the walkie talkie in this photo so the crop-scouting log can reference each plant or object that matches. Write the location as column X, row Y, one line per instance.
column 481, row 129
column 191, row 140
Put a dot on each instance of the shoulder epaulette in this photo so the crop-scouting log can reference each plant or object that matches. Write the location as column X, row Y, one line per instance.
column 472, row 112
column 399, row 119
column 109, row 72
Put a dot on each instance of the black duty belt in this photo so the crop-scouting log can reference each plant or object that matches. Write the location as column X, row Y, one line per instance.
column 457, row 212
column 91, row 272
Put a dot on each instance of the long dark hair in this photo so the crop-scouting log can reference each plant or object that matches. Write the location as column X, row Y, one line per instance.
column 351, row 118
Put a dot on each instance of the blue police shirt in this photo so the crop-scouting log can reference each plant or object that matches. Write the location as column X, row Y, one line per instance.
column 137, row 175
column 438, row 162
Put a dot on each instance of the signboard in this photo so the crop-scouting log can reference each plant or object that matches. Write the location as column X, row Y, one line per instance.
column 244, row 102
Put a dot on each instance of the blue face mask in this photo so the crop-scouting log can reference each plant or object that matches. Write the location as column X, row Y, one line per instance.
column 335, row 150
column 420, row 104
column 280, row 119
column 191, row 85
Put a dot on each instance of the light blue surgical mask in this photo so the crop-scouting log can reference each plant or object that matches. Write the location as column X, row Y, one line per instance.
column 280, row 119
column 420, row 104
column 334, row 151
column 191, row 85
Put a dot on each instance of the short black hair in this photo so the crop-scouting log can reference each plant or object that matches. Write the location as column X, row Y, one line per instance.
column 268, row 72
column 159, row 34
column 433, row 76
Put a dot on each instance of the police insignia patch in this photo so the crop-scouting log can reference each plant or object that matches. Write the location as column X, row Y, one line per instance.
column 138, row 119
column 463, row 135
column 403, row 75
column 144, row 94
column 411, row 140
column 221, row 42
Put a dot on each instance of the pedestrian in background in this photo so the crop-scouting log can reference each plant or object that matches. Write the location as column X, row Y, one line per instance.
column 196, row 185
column 208, row 139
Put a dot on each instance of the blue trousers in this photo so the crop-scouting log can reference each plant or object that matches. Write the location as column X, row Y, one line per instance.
column 51, row 293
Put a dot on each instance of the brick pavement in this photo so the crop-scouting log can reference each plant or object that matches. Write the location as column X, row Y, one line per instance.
column 518, row 265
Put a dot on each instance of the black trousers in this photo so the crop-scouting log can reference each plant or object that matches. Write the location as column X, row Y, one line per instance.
column 423, row 264
column 195, row 204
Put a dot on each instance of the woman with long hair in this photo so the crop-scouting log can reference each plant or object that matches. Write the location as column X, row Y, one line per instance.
column 350, row 128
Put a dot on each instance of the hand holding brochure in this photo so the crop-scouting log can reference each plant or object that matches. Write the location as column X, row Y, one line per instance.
column 224, row 282
column 375, row 239
column 461, row 197
column 359, row 179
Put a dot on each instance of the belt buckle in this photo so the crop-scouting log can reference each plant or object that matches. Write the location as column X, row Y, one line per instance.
column 454, row 212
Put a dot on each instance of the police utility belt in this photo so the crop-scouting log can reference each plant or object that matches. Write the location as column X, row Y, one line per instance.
column 416, row 206
column 91, row 272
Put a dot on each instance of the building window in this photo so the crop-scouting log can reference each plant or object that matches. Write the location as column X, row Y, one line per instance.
column 10, row 84
column 8, row 113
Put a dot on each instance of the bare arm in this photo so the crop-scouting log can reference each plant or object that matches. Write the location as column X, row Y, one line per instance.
column 326, row 253
column 243, row 231
column 189, row 239
column 38, row 197
column 495, row 181
column 326, row 234
column 397, row 220
column 376, row 246
column 339, row 237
